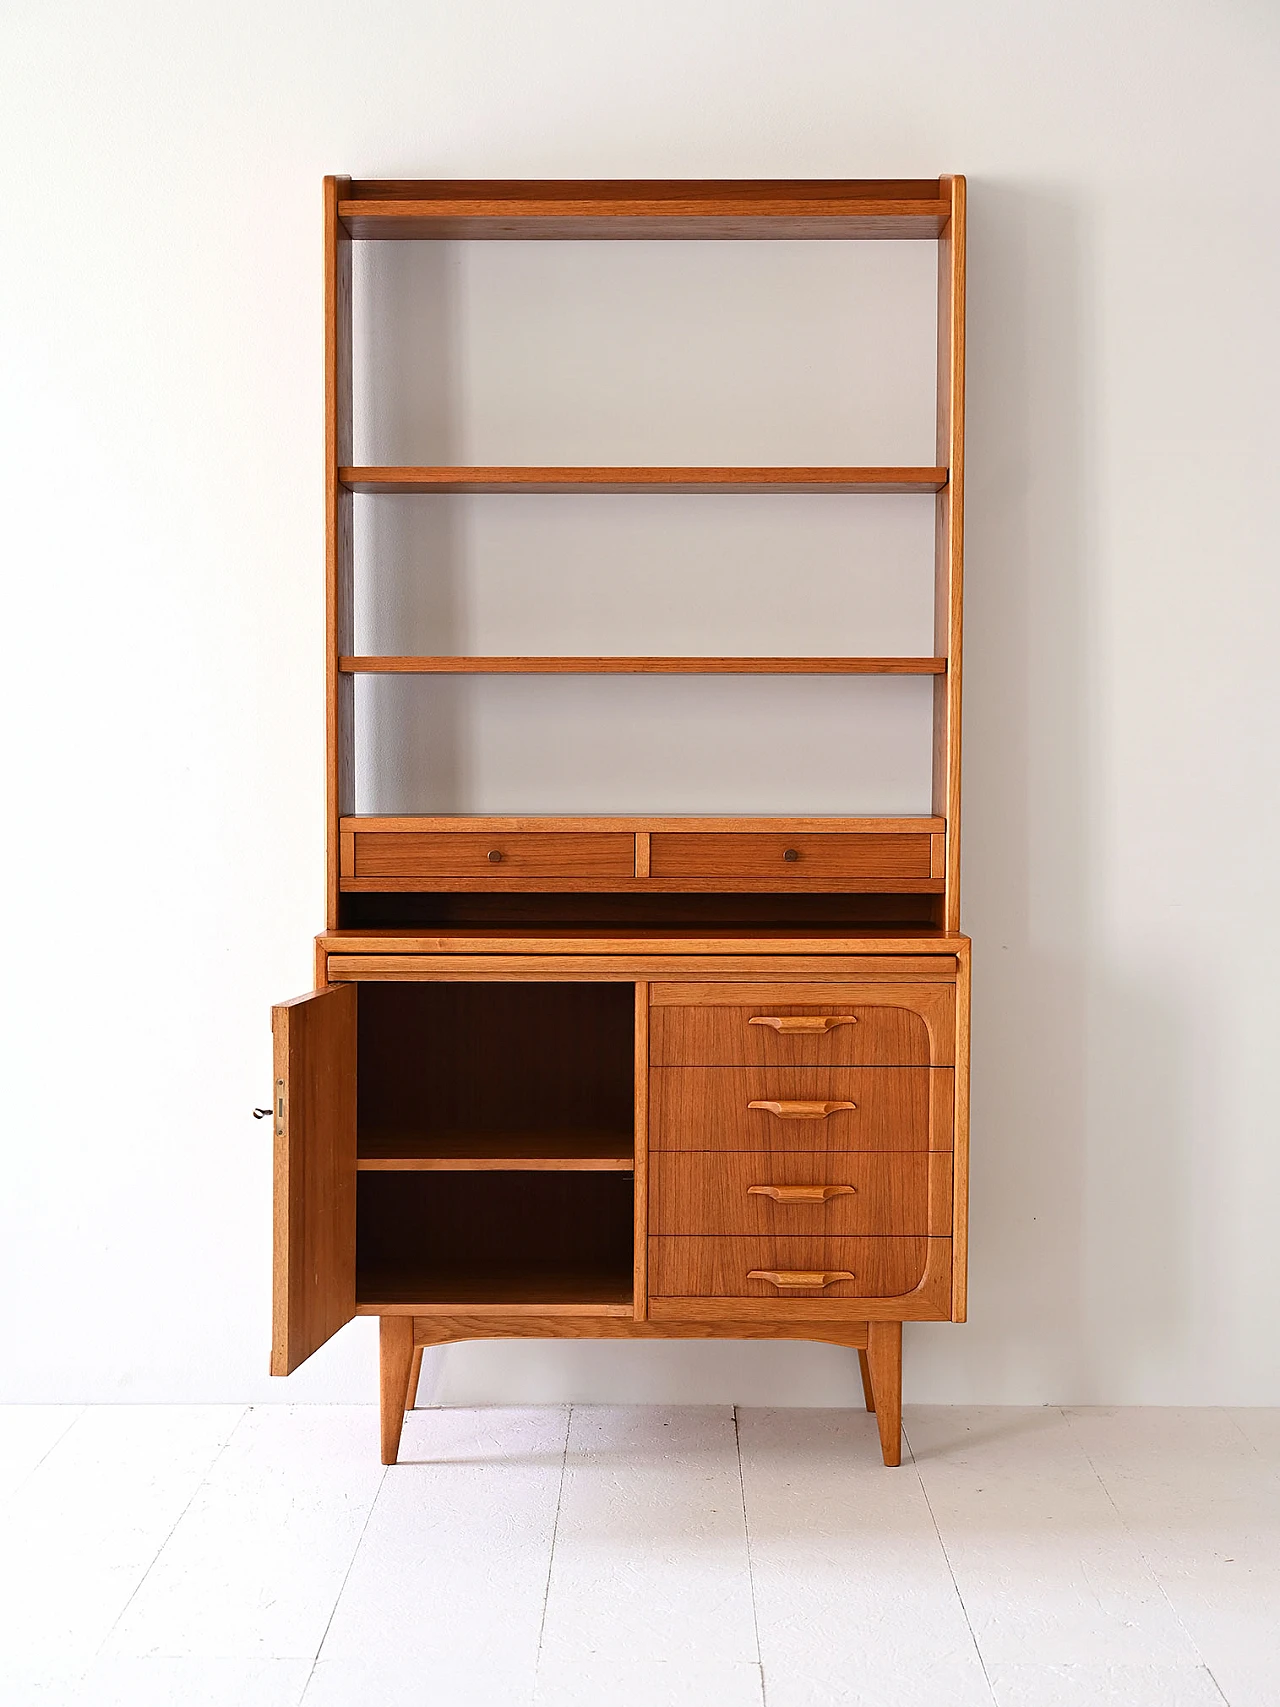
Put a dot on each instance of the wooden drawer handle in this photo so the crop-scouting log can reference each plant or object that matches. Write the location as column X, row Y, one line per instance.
column 806, row 1024
column 793, row 1279
column 802, row 1110
column 801, row 1193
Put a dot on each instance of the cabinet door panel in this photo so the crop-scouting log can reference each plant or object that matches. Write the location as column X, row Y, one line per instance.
column 314, row 1120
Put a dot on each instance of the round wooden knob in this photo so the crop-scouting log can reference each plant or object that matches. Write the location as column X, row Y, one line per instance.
column 790, row 854
column 495, row 858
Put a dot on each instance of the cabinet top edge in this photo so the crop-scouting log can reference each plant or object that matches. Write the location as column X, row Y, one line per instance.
column 627, row 190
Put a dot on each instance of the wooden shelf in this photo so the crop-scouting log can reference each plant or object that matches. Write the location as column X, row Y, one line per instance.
column 732, row 209
column 461, row 666
column 856, row 480
column 556, row 1292
column 495, row 1152
column 581, row 823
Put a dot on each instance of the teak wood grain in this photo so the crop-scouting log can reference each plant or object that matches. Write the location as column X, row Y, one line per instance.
column 579, row 824
column 442, row 1329
column 840, row 209
column 732, row 1192
column 395, row 1367
column 887, row 1024
column 960, row 1208
column 860, row 947
column 605, row 968
column 339, row 537
column 494, row 1152
column 884, row 1367
column 710, row 1108
column 640, row 1144
column 672, row 666
column 706, row 1036
column 485, row 853
column 788, row 855
column 646, row 885
column 372, row 481
column 948, row 604
column 723, row 1266
column 314, row 1122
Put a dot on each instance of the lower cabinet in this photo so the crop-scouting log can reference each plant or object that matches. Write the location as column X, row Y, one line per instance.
column 617, row 1157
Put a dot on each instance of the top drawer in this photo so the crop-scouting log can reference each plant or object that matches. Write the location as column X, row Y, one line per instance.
column 888, row 1025
column 789, row 856
column 493, row 853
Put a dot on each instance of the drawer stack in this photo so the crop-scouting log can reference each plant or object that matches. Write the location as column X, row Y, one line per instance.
column 799, row 1149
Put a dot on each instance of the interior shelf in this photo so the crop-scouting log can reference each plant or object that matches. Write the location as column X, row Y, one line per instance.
column 840, row 208
column 866, row 480
column 550, row 1291
column 490, row 666
column 543, row 1240
column 495, row 1152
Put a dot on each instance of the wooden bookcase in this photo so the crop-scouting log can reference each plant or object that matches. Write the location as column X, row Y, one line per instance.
column 630, row 1077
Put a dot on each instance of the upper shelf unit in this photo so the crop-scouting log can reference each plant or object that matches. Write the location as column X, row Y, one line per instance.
column 729, row 209
column 868, row 480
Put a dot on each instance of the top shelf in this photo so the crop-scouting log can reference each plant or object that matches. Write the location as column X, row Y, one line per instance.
column 594, row 209
column 374, row 480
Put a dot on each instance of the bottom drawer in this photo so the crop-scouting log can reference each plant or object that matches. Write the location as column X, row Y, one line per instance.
column 783, row 1266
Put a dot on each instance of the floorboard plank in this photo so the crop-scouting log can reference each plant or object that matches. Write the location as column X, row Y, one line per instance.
column 254, row 1567
column 853, row 1594
column 450, row 1578
column 650, row 1572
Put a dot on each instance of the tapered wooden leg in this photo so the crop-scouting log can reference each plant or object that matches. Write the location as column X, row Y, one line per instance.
column 415, row 1376
column 868, row 1391
column 395, row 1357
column 884, row 1356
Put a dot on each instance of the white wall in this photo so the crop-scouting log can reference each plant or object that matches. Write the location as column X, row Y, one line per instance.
column 161, row 455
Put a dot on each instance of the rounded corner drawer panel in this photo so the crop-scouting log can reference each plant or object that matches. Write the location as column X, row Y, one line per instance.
column 494, row 853
column 729, row 1192
column 800, row 1108
column 782, row 1267
column 789, row 857
column 843, row 1033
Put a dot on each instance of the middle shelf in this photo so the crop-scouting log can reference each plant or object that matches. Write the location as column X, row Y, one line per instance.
column 469, row 1151
column 671, row 666
column 372, row 480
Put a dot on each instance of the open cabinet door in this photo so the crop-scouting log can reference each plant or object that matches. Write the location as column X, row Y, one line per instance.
column 314, row 1119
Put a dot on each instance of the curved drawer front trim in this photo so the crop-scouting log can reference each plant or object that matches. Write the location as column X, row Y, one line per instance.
column 733, row 1267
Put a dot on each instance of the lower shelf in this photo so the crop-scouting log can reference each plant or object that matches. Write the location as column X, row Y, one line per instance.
column 544, row 1242
column 604, row 1292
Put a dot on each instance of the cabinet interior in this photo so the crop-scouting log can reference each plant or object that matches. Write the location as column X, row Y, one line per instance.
column 495, row 1142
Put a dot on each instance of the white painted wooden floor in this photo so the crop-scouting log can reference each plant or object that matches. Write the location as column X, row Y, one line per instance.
column 638, row 1557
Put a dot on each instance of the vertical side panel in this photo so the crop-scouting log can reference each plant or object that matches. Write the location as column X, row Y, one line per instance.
column 960, row 1156
column 314, row 1120
column 949, row 540
column 339, row 547
column 641, row 1235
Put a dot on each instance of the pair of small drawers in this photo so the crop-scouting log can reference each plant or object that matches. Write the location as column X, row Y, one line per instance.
column 603, row 854
column 796, row 1150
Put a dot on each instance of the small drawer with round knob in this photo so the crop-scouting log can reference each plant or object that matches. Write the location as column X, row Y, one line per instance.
column 488, row 856
column 790, row 857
